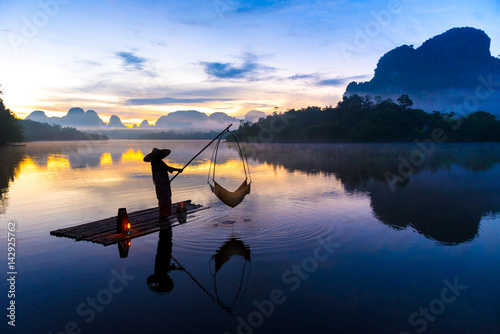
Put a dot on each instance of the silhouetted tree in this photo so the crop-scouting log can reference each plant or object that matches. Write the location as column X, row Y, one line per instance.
column 10, row 129
column 179, row 135
column 405, row 102
column 359, row 119
column 36, row 131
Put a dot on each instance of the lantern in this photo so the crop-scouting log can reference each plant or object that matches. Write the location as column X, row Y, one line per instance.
column 122, row 223
column 181, row 212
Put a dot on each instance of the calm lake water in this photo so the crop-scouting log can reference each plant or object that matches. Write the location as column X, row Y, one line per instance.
column 323, row 244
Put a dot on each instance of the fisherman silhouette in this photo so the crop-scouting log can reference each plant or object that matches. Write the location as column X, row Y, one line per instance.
column 160, row 281
column 161, row 180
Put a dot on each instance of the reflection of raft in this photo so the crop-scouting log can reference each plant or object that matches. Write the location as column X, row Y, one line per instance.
column 141, row 223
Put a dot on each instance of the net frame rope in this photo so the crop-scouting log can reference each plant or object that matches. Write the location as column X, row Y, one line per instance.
column 230, row 198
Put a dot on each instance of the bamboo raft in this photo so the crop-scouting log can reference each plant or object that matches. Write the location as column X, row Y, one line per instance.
column 142, row 222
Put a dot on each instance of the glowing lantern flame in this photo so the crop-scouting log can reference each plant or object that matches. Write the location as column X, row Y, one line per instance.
column 122, row 223
column 181, row 212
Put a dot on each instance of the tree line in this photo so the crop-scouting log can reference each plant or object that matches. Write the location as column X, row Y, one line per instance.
column 14, row 130
column 170, row 135
column 363, row 119
column 36, row 131
column 10, row 129
column 354, row 119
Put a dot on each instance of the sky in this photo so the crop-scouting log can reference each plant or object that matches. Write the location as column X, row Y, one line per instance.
column 143, row 59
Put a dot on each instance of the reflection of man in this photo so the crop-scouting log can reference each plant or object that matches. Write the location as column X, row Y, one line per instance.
column 160, row 281
column 161, row 180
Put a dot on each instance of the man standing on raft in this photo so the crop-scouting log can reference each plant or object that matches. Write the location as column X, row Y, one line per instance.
column 161, row 180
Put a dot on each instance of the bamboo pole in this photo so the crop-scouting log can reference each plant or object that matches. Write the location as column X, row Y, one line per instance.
column 203, row 149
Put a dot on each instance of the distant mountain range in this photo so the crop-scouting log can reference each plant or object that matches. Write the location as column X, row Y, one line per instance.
column 74, row 117
column 178, row 120
column 194, row 119
column 453, row 71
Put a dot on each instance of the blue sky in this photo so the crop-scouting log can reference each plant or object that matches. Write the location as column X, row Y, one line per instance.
column 144, row 59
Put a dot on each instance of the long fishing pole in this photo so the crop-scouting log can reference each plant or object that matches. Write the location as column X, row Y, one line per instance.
column 203, row 149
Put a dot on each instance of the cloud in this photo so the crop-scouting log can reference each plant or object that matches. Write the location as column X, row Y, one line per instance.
column 249, row 105
column 89, row 62
column 331, row 82
column 249, row 69
column 131, row 61
column 159, row 42
column 217, row 12
column 244, row 6
column 339, row 81
column 254, row 115
column 303, row 76
column 170, row 100
column 228, row 70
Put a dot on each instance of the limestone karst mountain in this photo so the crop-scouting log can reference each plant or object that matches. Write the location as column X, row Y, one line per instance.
column 453, row 71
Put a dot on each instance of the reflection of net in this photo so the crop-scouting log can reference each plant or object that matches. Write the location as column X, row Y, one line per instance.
column 217, row 301
column 230, row 198
column 232, row 247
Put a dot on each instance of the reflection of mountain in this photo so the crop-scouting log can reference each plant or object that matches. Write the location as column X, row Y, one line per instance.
column 10, row 158
column 446, row 205
column 444, row 199
column 440, row 74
